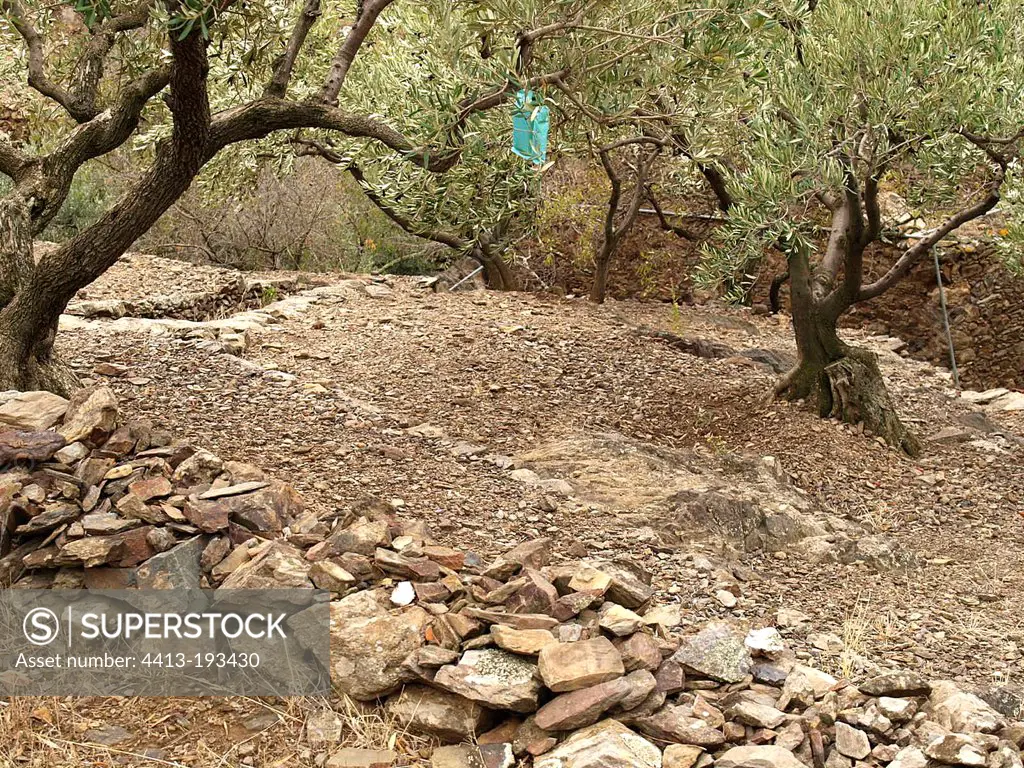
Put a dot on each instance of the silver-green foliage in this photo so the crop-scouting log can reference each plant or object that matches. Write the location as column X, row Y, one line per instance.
column 888, row 84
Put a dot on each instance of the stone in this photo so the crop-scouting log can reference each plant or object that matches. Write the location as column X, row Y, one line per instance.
column 206, row 516
column 536, row 595
column 369, row 644
column 513, row 620
column 755, row 714
column 590, row 579
column 201, row 468
column 852, row 742
column 571, row 666
column 353, row 757
column 607, row 744
column 29, row 446
column 233, row 490
column 768, row 756
column 106, row 523
column 70, row 454
column 33, row 411
column 328, row 575
column 571, row 605
column 726, row 598
column 897, row 710
column 323, row 728
column 91, row 551
column 909, row 757
column 503, row 733
column 108, row 578
column 214, row 552
column 963, row 712
column 619, row 621
column 1006, row 700
column 446, row 556
column 108, row 735
column 818, row 682
column 161, row 539
column 363, row 537
column 766, row 641
column 532, row 739
column 674, row 724
column 403, row 594
column 528, row 642
column 897, row 684
column 267, row 510
column 641, row 686
column 178, row 568
column 151, row 488
column 1006, row 755
column 668, row 616
column 583, row 707
column 48, row 520
column 132, row 507
column 417, row 568
column 277, row 566
column 421, row 665
column 533, row 554
column 494, row 678
column 457, row 756
column 671, row 677
column 497, row 755
column 91, row 417
column 631, row 586
column 440, row 714
column 715, row 652
column 235, row 559
column 955, row 749
column 640, row 651
column 681, row 756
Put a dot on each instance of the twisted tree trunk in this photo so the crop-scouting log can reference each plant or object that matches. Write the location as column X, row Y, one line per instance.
column 33, row 296
column 839, row 381
column 842, row 382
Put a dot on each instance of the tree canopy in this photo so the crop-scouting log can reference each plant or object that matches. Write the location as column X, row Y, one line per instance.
column 796, row 114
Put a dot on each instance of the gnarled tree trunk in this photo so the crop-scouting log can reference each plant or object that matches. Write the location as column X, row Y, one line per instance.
column 27, row 361
column 837, row 380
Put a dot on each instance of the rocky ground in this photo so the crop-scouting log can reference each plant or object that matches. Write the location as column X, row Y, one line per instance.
column 501, row 418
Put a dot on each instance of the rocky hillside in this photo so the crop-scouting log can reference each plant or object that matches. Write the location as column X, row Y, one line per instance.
column 582, row 534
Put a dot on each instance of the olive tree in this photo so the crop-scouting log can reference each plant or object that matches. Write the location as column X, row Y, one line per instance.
column 615, row 74
column 195, row 78
column 845, row 98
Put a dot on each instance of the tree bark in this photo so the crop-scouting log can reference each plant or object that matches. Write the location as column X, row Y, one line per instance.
column 35, row 365
column 29, row 318
column 835, row 379
column 602, row 265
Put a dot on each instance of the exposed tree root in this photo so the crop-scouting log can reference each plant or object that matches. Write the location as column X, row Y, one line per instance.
column 850, row 389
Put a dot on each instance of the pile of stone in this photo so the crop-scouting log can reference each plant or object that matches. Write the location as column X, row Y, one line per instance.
column 234, row 293
column 571, row 666
column 526, row 659
column 86, row 500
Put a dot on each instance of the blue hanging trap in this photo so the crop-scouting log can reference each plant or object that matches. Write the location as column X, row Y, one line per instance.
column 530, row 126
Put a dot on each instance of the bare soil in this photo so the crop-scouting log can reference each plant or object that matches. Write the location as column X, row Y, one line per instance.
column 417, row 398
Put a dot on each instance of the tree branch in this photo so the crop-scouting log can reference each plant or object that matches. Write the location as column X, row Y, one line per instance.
column 12, row 160
column 278, row 85
column 37, row 77
column 261, row 118
column 342, row 62
column 450, row 239
column 902, row 267
column 663, row 221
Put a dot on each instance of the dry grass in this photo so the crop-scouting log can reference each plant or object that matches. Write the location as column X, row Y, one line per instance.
column 50, row 732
